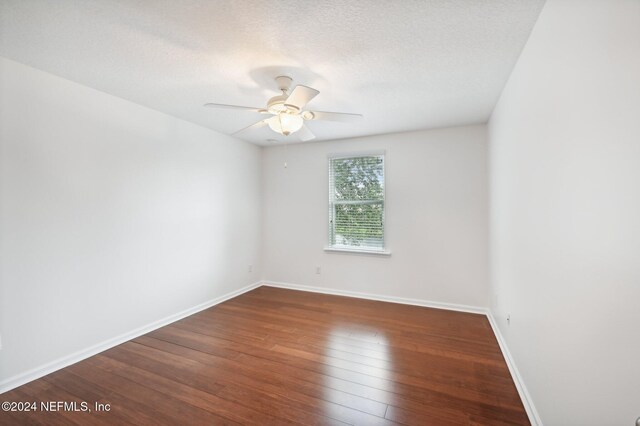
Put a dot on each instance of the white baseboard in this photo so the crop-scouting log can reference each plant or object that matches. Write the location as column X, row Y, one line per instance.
column 381, row 298
column 43, row 370
column 534, row 417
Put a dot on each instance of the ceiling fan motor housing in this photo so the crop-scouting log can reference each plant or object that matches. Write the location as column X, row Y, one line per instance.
column 276, row 104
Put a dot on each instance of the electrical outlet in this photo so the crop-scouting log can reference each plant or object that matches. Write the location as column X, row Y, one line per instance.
column 250, row 268
column 317, row 270
column 508, row 319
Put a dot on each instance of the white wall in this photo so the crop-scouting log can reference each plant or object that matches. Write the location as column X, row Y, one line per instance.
column 565, row 213
column 436, row 217
column 112, row 216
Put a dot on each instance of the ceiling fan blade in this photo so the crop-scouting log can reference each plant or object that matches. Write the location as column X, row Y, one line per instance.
column 333, row 116
column 257, row 125
column 300, row 96
column 246, row 108
column 305, row 134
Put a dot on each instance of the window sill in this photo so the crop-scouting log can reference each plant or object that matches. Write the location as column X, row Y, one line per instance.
column 357, row 251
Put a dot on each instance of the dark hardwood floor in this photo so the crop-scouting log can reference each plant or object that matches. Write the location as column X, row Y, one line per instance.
column 274, row 356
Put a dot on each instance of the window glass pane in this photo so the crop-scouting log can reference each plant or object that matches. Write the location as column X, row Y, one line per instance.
column 356, row 202
column 359, row 225
column 358, row 178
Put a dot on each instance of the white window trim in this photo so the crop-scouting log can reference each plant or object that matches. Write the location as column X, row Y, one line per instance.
column 352, row 250
column 357, row 251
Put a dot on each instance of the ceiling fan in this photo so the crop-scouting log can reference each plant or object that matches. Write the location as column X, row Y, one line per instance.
column 286, row 110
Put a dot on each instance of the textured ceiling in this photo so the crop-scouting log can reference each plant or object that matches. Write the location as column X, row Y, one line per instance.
column 405, row 65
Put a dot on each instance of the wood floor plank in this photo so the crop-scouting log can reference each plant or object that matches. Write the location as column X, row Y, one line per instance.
column 331, row 327
column 192, row 395
column 169, row 408
column 314, row 399
column 193, row 363
column 289, row 382
column 276, row 356
column 419, row 400
column 480, row 374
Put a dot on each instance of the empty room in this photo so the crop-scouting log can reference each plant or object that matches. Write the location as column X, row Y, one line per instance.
column 402, row 212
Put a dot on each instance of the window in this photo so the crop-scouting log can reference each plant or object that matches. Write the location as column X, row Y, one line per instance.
column 356, row 203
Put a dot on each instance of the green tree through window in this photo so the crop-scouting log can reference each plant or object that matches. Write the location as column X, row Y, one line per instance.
column 356, row 202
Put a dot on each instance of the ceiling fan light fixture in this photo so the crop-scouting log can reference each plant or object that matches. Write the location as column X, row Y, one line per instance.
column 285, row 124
column 287, row 110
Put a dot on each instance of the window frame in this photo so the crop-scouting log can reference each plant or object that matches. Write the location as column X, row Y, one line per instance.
column 331, row 206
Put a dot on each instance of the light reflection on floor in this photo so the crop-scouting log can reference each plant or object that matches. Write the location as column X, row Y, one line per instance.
column 355, row 359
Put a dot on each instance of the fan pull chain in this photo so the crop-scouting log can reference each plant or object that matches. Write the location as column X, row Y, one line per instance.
column 285, row 155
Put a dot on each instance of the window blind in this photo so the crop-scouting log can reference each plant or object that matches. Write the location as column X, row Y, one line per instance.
column 356, row 202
